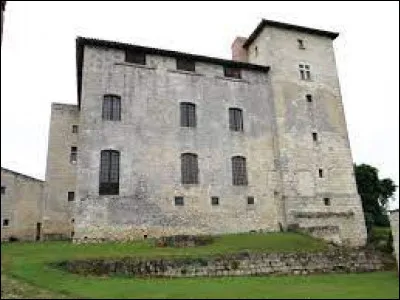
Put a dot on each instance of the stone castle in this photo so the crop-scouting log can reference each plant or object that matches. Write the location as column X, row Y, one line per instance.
column 163, row 142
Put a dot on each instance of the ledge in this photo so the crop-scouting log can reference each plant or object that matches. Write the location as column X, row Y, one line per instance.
column 232, row 79
column 185, row 72
column 322, row 214
column 134, row 65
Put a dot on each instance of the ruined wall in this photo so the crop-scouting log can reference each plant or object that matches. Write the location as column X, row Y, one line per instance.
column 21, row 205
column 394, row 224
column 150, row 141
column 60, row 172
column 243, row 264
column 299, row 157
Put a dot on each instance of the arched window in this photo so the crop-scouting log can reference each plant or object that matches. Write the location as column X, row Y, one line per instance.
column 109, row 172
column 189, row 168
column 188, row 114
column 112, row 107
column 239, row 172
column 235, row 119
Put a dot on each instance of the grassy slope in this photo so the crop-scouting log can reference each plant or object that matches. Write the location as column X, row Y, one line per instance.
column 27, row 262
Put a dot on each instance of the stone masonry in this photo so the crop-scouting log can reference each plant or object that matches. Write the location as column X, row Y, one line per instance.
column 394, row 223
column 21, row 206
column 242, row 264
column 294, row 139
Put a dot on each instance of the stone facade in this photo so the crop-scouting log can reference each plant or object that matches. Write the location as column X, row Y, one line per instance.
column 294, row 180
column 60, row 172
column 243, row 264
column 394, row 223
column 21, row 206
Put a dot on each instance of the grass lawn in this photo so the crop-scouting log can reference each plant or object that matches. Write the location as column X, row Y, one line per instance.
column 28, row 263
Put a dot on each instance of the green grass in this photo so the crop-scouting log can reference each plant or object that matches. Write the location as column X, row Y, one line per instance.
column 29, row 263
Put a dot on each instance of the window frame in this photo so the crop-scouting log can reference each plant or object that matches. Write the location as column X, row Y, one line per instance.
column 111, row 107
column 235, row 119
column 305, row 71
column 189, row 168
column 74, row 128
column 239, row 171
column 250, row 200
column 110, row 186
column 188, row 114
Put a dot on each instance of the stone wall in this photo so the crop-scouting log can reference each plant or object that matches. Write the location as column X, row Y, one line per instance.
column 60, row 172
column 299, row 157
column 150, row 141
column 394, row 223
column 21, row 206
column 242, row 264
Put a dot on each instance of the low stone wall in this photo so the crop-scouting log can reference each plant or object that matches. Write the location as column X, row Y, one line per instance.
column 241, row 264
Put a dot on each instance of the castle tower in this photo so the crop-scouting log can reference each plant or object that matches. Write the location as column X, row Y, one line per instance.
column 313, row 157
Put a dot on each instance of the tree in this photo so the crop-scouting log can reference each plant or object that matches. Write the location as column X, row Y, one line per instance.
column 375, row 194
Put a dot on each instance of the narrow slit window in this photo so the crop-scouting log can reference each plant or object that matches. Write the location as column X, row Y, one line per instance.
column 327, row 201
column 300, row 43
column 74, row 128
column 320, row 173
column 309, row 98
column 3, row 190
column 73, row 157
column 315, row 137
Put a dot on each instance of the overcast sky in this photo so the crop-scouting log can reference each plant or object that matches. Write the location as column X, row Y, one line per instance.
column 38, row 61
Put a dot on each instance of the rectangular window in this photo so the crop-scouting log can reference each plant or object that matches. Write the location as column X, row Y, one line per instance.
column 214, row 201
column 309, row 98
column 185, row 64
column 109, row 172
column 135, row 57
column 3, row 190
column 327, row 201
column 71, row 196
column 6, row 222
column 112, row 108
column 250, row 200
column 305, row 72
column 179, row 201
column 239, row 172
column 320, row 173
column 235, row 119
column 188, row 114
column 189, row 168
column 232, row 72
column 74, row 128
column 315, row 137
column 73, row 157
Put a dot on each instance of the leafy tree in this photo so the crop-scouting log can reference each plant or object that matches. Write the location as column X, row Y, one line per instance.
column 375, row 194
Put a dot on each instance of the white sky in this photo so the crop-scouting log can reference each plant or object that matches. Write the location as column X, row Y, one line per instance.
column 38, row 61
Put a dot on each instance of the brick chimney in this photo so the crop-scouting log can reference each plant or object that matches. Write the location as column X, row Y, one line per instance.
column 238, row 52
